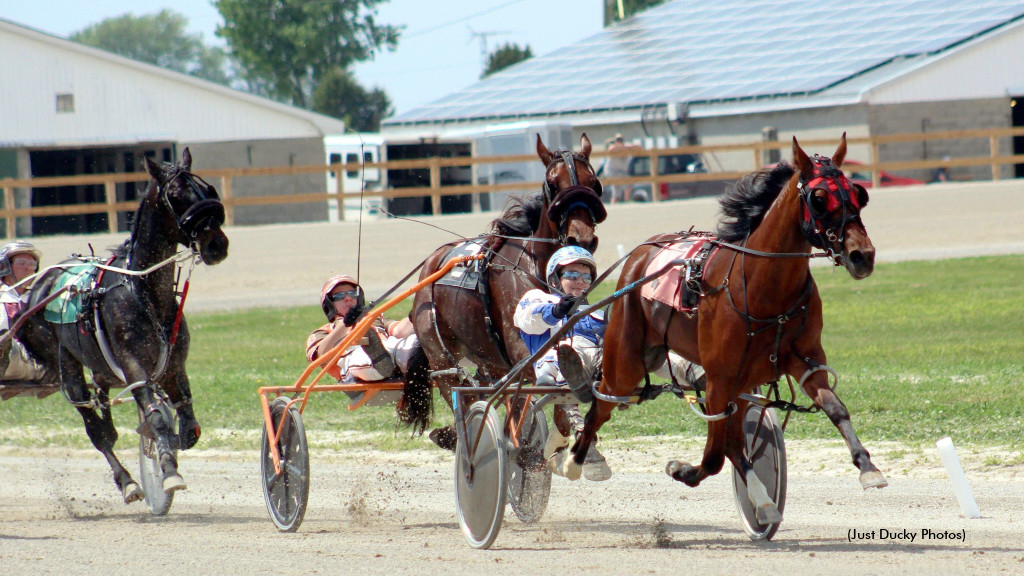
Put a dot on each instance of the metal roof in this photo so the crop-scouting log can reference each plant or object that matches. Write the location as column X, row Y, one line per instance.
column 709, row 51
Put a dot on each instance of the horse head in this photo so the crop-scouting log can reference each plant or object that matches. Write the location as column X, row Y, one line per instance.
column 831, row 210
column 572, row 193
column 191, row 208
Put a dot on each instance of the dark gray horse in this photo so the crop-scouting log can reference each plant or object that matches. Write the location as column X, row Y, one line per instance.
column 128, row 329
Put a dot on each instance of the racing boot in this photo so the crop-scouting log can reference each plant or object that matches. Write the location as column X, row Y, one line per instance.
column 381, row 358
column 445, row 438
column 595, row 467
column 576, row 376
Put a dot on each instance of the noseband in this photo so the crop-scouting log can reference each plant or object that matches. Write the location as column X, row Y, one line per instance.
column 841, row 194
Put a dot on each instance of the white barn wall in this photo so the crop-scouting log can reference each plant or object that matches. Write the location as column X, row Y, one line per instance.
column 118, row 100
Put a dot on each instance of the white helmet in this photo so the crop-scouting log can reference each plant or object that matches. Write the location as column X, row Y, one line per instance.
column 565, row 256
column 11, row 250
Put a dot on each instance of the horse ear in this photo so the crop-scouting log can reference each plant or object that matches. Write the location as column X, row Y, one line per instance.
column 840, row 154
column 585, row 146
column 802, row 161
column 186, row 160
column 152, row 168
column 542, row 151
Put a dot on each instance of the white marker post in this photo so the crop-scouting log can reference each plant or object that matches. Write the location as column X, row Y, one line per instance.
column 968, row 507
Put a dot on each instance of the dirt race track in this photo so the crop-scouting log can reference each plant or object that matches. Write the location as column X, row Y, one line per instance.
column 394, row 513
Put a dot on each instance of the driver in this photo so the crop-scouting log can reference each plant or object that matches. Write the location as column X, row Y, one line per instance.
column 18, row 261
column 571, row 270
column 390, row 343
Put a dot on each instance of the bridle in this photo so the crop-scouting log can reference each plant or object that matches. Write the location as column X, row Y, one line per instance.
column 561, row 203
column 207, row 211
column 844, row 195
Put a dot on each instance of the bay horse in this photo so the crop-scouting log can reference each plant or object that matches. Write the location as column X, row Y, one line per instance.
column 758, row 315
column 130, row 331
column 456, row 324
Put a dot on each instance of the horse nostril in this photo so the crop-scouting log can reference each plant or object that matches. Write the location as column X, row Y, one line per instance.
column 856, row 257
column 572, row 241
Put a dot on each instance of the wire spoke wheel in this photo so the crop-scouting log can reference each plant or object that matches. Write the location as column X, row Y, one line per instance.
column 529, row 481
column 151, row 474
column 287, row 493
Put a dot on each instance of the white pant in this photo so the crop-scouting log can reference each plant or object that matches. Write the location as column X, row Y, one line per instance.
column 683, row 370
column 590, row 354
column 356, row 364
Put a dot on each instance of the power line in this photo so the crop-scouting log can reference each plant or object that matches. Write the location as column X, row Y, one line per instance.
column 463, row 19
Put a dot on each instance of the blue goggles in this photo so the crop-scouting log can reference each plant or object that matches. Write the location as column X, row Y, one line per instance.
column 339, row 296
column 574, row 275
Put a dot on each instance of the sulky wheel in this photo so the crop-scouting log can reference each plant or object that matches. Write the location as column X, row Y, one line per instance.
column 150, row 473
column 286, row 493
column 481, row 477
column 765, row 449
column 529, row 482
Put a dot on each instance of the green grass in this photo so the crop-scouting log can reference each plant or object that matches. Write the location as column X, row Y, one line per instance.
column 923, row 350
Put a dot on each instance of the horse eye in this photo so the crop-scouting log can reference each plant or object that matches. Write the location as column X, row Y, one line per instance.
column 819, row 201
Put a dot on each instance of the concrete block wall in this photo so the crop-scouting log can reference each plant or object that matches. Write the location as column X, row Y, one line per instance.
column 939, row 117
column 255, row 153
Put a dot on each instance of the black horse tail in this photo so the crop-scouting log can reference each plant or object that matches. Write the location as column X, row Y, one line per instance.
column 416, row 408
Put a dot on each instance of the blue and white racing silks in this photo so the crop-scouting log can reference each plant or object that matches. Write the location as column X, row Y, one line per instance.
column 536, row 324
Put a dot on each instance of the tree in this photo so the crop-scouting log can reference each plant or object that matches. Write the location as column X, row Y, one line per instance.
column 505, row 56
column 158, row 39
column 338, row 94
column 285, row 48
column 629, row 7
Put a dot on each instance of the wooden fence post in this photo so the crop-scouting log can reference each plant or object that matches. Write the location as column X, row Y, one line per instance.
column 876, row 174
column 226, row 197
column 12, row 222
column 993, row 144
column 110, row 190
column 435, row 185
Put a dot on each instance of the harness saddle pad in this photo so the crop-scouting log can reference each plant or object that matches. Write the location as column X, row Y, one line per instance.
column 65, row 308
column 670, row 288
column 466, row 277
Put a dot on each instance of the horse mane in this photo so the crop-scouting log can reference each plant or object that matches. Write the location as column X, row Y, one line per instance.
column 521, row 217
column 744, row 205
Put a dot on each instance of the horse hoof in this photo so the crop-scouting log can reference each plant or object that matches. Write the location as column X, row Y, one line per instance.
column 173, row 483
column 132, row 493
column 768, row 514
column 572, row 470
column 873, row 479
column 556, row 461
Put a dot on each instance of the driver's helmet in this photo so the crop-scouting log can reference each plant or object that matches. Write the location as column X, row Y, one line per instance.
column 331, row 283
column 565, row 256
column 12, row 249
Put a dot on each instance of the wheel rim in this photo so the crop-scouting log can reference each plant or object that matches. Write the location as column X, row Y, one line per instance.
column 286, row 494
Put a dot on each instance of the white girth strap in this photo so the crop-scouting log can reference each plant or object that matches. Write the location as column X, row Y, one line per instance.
column 101, row 340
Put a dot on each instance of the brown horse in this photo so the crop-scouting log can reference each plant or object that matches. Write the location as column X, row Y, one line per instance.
column 758, row 316
column 474, row 322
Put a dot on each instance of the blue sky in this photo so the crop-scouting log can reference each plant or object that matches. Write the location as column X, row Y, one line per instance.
column 438, row 53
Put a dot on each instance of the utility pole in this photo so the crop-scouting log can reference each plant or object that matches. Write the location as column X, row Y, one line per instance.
column 483, row 44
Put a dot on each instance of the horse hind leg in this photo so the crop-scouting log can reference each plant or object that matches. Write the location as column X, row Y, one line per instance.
column 714, row 448
column 765, row 509
column 103, row 435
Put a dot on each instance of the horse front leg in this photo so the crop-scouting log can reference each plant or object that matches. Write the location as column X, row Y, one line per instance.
column 717, row 402
column 165, row 439
column 100, row 429
column 817, row 388
column 180, row 395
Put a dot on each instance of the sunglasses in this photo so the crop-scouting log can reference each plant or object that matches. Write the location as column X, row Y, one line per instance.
column 339, row 296
column 574, row 275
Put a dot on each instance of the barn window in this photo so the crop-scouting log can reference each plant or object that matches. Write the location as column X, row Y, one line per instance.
column 65, row 103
